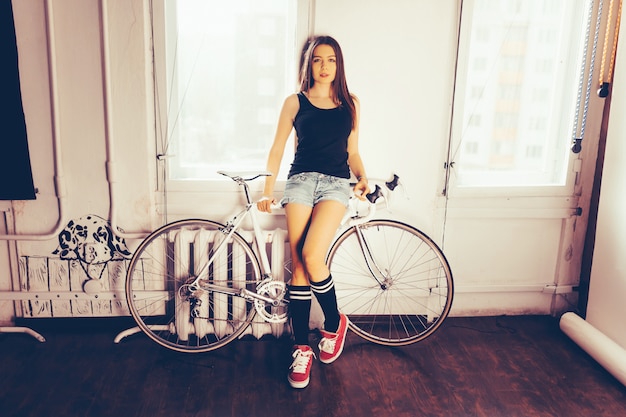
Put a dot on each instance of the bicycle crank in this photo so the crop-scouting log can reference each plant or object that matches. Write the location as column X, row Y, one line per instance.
column 275, row 312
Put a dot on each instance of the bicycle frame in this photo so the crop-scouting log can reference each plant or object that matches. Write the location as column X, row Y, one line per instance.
column 352, row 219
column 169, row 282
column 231, row 227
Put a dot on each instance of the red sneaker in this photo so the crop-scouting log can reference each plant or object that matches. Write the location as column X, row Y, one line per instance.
column 300, row 369
column 331, row 344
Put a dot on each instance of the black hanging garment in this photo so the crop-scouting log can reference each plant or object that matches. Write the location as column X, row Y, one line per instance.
column 16, row 178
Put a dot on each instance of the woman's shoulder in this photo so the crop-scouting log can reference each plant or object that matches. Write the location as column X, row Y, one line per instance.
column 292, row 104
column 293, row 98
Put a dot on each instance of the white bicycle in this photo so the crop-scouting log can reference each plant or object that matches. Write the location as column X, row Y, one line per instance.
column 195, row 285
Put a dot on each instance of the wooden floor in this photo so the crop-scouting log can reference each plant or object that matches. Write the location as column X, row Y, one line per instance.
column 490, row 366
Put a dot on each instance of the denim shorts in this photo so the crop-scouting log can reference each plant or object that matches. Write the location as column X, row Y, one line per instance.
column 309, row 188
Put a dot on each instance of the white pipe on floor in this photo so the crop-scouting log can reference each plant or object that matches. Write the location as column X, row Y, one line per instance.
column 599, row 346
column 24, row 330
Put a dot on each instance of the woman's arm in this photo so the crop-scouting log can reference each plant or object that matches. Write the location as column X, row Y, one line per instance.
column 354, row 158
column 283, row 130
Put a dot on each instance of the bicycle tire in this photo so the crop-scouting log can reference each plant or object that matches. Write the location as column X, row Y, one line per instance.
column 417, row 292
column 168, row 259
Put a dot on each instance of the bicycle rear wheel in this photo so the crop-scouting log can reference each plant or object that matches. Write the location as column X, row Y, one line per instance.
column 392, row 281
column 158, row 293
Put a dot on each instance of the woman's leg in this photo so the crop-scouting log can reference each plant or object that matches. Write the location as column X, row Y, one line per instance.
column 325, row 220
column 298, row 217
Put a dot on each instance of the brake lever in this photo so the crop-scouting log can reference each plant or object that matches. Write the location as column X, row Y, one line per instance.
column 375, row 195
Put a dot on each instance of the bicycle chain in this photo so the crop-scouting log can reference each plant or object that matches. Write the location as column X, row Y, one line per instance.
column 264, row 288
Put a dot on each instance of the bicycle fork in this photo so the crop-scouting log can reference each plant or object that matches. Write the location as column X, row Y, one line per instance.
column 381, row 277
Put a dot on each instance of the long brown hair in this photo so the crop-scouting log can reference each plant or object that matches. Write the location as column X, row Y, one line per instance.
column 339, row 88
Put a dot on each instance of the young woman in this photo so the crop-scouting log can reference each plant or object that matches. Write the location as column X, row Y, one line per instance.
column 326, row 119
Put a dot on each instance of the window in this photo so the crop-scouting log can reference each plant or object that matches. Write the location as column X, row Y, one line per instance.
column 530, row 57
column 229, row 67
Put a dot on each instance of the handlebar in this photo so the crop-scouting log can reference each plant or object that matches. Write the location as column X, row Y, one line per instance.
column 375, row 195
column 378, row 191
column 356, row 216
column 393, row 183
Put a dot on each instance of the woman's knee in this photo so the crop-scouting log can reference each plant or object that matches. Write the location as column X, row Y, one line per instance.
column 313, row 260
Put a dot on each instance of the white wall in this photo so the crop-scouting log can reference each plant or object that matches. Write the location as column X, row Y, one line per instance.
column 606, row 308
column 603, row 332
column 400, row 62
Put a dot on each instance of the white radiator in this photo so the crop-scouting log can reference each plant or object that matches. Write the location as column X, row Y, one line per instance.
column 200, row 241
column 278, row 254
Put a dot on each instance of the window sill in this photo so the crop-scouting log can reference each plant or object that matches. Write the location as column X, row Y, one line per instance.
column 215, row 199
column 538, row 207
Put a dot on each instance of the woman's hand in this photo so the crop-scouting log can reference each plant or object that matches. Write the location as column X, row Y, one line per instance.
column 361, row 189
column 265, row 203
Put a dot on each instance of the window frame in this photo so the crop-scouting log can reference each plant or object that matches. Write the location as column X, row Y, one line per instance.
column 179, row 190
column 571, row 165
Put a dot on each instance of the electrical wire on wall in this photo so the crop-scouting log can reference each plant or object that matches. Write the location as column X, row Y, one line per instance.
column 164, row 129
column 160, row 137
column 453, row 150
column 449, row 163
column 161, row 130
column 586, row 32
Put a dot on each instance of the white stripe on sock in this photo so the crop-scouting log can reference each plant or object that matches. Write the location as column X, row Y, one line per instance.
column 303, row 295
column 323, row 288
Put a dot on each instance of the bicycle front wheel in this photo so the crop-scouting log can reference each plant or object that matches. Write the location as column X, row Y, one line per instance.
column 172, row 313
column 392, row 281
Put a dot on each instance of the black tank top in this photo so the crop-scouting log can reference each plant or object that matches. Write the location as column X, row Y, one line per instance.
column 322, row 140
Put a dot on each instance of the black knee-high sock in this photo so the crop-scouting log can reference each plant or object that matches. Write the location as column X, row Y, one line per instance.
column 300, row 311
column 325, row 293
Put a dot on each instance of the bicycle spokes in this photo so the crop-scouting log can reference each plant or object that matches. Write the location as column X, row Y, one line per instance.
column 392, row 281
column 172, row 288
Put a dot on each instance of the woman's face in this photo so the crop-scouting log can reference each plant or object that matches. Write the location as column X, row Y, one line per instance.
column 324, row 64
